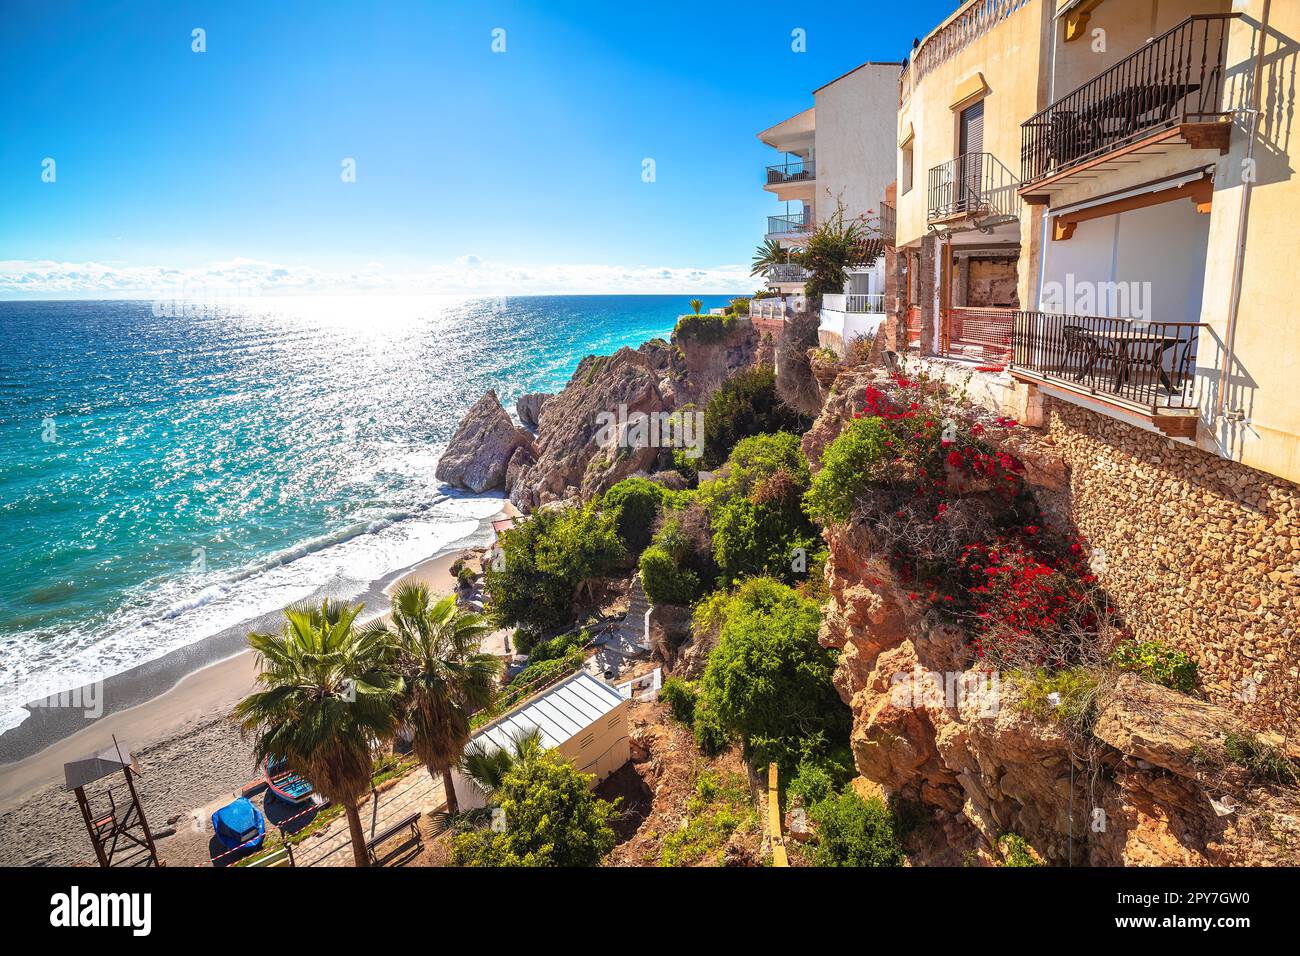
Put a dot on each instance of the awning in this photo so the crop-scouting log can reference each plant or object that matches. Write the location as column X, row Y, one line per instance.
column 1159, row 185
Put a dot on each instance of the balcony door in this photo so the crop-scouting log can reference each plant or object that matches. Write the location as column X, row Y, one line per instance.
column 970, row 144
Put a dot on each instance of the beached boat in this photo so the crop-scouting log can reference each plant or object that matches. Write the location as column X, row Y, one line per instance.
column 239, row 824
column 284, row 783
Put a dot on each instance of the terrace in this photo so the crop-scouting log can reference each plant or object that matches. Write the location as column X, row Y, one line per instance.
column 1143, row 367
column 1167, row 94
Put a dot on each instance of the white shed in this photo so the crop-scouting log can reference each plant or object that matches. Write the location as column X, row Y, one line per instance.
column 582, row 717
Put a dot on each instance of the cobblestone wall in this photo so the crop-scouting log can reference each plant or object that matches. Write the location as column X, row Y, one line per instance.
column 1199, row 552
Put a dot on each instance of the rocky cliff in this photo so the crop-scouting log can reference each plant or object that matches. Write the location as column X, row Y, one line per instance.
column 1152, row 776
column 479, row 453
column 585, row 441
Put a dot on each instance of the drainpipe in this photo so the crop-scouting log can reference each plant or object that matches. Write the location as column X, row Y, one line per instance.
column 1243, row 217
column 1047, row 215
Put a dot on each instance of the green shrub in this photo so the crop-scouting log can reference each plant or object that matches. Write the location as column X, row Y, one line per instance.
column 664, row 581
column 703, row 328
column 1016, row 852
column 552, row 819
column 1075, row 703
column 740, row 306
column 746, row 404
column 634, row 504
column 855, row 832
column 679, row 695
column 710, row 735
column 686, row 464
column 1154, row 662
column 549, row 561
column 812, row 784
column 769, row 679
column 557, row 647
column 684, row 534
column 847, row 465
column 1262, row 760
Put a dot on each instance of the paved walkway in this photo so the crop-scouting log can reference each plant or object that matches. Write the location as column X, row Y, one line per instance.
column 332, row 846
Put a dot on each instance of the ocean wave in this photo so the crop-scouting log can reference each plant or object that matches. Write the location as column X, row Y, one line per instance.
column 181, row 612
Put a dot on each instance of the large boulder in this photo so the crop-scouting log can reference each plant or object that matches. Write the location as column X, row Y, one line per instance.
column 580, row 446
column 529, row 408
column 481, row 450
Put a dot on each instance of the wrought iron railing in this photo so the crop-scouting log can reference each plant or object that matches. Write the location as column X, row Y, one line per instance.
column 888, row 226
column 1176, row 78
column 787, row 272
column 976, row 184
column 1150, row 364
column 799, row 171
column 792, row 224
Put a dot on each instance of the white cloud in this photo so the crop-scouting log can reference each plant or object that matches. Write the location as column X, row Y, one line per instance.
column 468, row 274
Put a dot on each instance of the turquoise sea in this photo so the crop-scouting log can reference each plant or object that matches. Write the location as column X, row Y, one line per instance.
column 166, row 476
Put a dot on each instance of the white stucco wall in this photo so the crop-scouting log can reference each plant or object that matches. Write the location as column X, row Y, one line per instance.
column 856, row 118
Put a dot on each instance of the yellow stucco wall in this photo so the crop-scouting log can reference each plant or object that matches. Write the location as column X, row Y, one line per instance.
column 1009, row 56
column 1265, row 375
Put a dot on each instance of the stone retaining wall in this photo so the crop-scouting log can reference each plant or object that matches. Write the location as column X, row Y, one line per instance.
column 1197, row 551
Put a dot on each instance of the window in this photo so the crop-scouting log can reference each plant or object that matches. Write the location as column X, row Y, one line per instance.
column 905, row 180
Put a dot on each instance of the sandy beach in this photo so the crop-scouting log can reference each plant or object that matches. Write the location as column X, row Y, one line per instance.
column 190, row 753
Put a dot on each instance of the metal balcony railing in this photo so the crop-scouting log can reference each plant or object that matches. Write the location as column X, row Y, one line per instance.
column 798, row 171
column 854, row 303
column 976, row 184
column 793, row 224
column 1176, row 78
column 888, row 225
column 787, row 272
column 1150, row 364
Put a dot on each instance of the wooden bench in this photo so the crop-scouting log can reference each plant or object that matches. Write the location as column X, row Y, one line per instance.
column 409, row 827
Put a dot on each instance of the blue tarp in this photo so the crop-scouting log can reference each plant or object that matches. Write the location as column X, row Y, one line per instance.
column 238, row 823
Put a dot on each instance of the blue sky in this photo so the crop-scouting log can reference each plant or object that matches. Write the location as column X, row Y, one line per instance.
column 474, row 170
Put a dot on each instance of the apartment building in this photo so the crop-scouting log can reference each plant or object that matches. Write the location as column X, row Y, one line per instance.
column 1098, row 195
column 1096, row 208
column 836, row 152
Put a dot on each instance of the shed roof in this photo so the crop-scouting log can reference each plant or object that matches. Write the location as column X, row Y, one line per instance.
column 88, row 769
column 560, row 712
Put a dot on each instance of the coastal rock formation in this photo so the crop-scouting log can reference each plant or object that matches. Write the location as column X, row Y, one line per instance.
column 602, row 398
column 529, row 408
column 482, row 448
column 701, row 363
column 1150, row 780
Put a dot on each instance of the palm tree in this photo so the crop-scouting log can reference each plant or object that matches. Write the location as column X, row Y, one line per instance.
column 487, row 766
column 770, row 253
column 696, row 305
column 446, row 677
column 331, row 691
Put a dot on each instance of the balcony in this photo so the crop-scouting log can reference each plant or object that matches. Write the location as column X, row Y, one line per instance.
column 853, row 303
column 789, row 226
column 976, row 186
column 888, row 225
column 846, row 318
column 1168, row 91
column 799, row 171
column 1147, row 367
column 786, row 272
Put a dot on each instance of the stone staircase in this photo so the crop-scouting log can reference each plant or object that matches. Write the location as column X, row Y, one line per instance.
column 629, row 639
